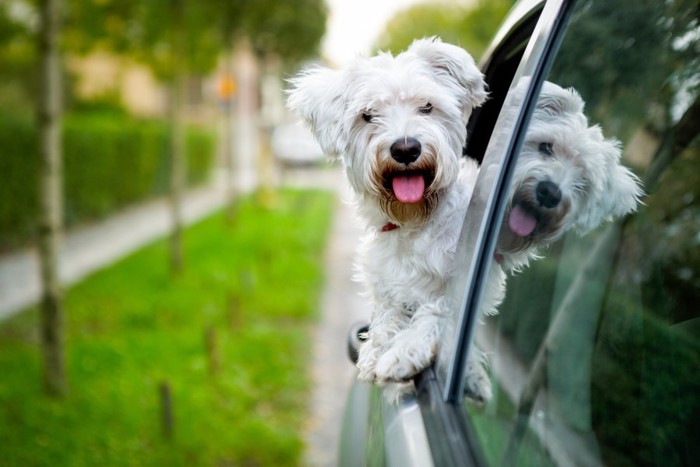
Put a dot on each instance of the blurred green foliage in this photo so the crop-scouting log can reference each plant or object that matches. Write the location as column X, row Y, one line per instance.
column 253, row 284
column 110, row 161
column 19, row 161
column 146, row 31
column 18, row 57
column 469, row 26
column 648, row 72
column 288, row 30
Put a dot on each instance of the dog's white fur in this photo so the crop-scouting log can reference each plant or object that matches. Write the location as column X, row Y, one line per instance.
column 426, row 93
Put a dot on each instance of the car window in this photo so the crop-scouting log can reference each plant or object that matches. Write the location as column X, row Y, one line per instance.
column 512, row 71
column 593, row 355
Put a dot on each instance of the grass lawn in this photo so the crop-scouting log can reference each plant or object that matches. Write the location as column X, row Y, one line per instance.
column 230, row 337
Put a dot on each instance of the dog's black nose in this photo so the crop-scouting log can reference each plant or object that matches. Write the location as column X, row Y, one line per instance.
column 548, row 194
column 405, row 150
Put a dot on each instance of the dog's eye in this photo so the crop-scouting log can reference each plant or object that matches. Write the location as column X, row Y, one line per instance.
column 546, row 149
column 426, row 109
column 367, row 117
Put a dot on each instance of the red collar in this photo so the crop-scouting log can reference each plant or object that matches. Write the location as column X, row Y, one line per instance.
column 388, row 227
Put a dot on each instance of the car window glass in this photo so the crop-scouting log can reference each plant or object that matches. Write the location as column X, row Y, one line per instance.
column 593, row 354
column 519, row 57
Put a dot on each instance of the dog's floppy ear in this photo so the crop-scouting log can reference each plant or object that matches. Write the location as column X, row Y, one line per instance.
column 620, row 191
column 456, row 65
column 318, row 95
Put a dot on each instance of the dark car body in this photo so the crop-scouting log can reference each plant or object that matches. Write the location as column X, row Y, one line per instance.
column 594, row 354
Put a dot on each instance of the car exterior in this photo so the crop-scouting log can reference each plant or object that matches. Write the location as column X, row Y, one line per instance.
column 594, row 354
column 293, row 144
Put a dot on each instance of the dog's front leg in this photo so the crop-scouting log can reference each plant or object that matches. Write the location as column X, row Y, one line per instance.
column 477, row 384
column 414, row 348
column 386, row 323
column 367, row 359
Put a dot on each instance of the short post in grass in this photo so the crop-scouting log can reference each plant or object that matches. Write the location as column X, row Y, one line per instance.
column 213, row 354
column 235, row 316
column 233, row 208
column 246, row 279
column 166, row 410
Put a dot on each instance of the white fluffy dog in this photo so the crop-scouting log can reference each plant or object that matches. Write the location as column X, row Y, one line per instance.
column 399, row 126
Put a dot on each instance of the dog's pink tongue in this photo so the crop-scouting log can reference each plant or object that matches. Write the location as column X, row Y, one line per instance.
column 408, row 188
column 520, row 222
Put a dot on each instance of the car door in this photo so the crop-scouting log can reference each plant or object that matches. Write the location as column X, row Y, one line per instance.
column 593, row 354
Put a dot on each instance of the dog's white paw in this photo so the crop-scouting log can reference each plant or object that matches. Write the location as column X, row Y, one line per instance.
column 366, row 373
column 477, row 385
column 367, row 361
column 401, row 363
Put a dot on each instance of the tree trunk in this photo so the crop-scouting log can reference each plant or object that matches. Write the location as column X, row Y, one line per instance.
column 269, row 118
column 177, row 134
column 229, row 122
column 50, row 188
column 247, row 117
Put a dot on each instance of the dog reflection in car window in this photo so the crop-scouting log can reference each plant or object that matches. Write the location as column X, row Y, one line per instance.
column 568, row 176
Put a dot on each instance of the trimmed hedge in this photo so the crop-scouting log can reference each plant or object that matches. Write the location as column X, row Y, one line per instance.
column 19, row 182
column 109, row 162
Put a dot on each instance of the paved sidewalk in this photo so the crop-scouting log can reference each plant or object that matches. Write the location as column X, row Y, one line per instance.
column 87, row 249
column 333, row 373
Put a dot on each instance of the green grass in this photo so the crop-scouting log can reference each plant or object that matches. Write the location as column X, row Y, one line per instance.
column 253, row 283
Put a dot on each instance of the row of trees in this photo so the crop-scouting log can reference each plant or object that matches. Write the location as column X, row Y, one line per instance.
column 175, row 39
column 470, row 24
column 168, row 36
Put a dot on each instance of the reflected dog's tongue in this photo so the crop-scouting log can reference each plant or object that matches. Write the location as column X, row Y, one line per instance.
column 408, row 188
column 520, row 222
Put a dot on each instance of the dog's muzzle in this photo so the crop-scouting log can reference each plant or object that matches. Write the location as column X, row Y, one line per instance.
column 410, row 175
column 528, row 214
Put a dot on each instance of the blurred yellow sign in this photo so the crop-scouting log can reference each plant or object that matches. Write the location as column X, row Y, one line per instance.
column 227, row 87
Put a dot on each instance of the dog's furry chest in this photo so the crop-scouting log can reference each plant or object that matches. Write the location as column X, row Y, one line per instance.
column 411, row 266
column 408, row 267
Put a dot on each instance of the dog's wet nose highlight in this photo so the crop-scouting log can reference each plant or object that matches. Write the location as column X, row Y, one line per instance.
column 405, row 150
column 548, row 194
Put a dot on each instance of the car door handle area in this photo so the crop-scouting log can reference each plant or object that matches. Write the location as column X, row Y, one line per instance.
column 357, row 335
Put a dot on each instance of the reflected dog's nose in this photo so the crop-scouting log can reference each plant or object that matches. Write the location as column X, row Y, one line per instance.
column 405, row 150
column 548, row 194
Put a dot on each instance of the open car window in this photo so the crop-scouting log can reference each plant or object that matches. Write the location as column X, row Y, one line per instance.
column 512, row 72
column 592, row 356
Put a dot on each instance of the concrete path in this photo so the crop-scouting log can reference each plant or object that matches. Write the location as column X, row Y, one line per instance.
column 87, row 249
column 333, row 372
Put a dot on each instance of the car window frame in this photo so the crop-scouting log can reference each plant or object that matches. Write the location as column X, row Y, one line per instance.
column 485, row 213
column 451, row 438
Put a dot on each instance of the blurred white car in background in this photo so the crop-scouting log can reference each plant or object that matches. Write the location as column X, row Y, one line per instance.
column 293, row 144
